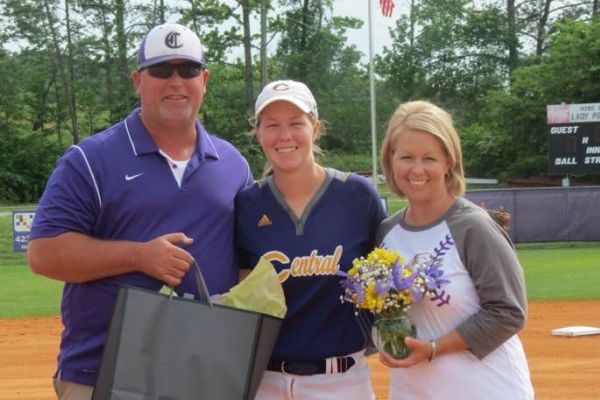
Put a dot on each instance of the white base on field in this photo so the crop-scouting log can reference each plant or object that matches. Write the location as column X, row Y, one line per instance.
column 576, row 331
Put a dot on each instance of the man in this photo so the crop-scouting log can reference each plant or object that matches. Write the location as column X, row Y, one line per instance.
column 137, row 204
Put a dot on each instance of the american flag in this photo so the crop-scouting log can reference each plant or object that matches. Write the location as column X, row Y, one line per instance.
column 387, row 7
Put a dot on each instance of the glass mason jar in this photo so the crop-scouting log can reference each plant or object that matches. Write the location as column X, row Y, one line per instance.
column 389, row 334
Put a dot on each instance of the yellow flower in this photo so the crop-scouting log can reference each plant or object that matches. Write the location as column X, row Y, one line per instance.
column 406, row 297
column 356, row 266
column 386, row 257
column 372, row 301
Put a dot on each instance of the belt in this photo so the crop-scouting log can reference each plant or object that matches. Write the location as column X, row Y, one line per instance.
column 331, row 365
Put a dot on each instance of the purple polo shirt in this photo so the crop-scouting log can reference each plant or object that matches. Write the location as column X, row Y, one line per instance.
column 115, row 185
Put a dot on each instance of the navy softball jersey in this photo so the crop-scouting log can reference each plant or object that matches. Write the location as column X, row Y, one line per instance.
column 337, row 226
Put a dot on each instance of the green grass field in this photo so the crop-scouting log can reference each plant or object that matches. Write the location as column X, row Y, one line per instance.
column 556, row 272
column 552, row 271
column 27, row 294
column 23, row 293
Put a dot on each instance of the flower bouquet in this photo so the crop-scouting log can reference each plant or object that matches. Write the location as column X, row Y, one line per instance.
column 386, row 285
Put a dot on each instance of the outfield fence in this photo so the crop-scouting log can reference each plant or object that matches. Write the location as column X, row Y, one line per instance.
column 553, row 214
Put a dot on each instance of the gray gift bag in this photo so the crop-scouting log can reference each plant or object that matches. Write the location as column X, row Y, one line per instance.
column 161, row 347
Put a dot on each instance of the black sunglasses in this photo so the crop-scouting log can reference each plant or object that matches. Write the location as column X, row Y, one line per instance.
column 165, row 70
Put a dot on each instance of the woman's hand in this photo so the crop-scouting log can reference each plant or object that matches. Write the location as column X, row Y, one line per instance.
column 420, row 350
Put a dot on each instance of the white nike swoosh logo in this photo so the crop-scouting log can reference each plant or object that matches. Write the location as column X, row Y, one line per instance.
column 128, row 178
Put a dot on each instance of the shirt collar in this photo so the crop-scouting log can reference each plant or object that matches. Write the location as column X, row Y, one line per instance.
column 142, row 143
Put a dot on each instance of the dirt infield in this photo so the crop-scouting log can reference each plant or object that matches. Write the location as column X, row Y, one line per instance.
column 561, row 368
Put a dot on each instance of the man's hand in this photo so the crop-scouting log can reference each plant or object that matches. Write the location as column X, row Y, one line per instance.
column 163, row 259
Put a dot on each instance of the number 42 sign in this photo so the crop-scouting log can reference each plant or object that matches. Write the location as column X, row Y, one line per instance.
column 22, row 221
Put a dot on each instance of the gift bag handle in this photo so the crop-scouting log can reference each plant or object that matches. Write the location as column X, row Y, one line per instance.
column 203, row 294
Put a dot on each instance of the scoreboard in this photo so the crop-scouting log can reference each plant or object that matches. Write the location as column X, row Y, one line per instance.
column 573, row 139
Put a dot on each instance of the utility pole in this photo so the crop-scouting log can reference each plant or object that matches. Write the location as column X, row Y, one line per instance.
column 372, row 89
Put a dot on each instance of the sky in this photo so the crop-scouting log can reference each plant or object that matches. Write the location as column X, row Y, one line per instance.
column 359, row 37
column 381, row 24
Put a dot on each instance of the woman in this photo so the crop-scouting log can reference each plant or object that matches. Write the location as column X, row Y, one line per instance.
column 310, row 222
column 467, row 349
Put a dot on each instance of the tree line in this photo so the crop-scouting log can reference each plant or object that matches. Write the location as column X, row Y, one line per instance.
column 494, row 64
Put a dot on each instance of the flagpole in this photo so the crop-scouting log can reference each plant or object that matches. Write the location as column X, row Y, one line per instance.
column 372, row 96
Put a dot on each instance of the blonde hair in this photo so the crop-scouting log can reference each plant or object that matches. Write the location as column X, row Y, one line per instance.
column 427, row 117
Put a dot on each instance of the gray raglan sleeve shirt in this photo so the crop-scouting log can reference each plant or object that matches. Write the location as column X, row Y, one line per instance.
column 490, row 259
